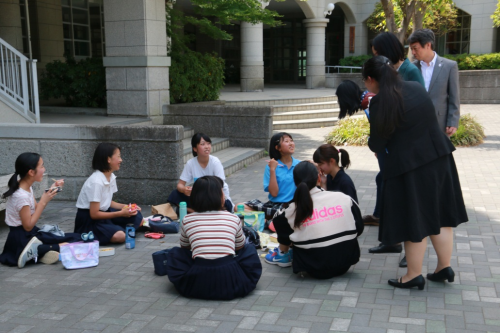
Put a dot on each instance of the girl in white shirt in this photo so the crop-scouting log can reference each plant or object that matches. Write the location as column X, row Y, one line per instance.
column 97, row 212
column 24, row 242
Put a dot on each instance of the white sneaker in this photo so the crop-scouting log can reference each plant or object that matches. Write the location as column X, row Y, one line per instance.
column 30, row 252
column 50, row 257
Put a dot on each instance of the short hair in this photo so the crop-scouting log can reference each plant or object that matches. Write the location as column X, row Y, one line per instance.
column 388, row 45
column 196, row 139
column 207, row 194
column 102, row 153
column 422, row 36
column 349, row 98
column 276, row 141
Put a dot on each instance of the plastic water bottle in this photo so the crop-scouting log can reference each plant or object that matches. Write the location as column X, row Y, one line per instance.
column 130, row 236
column 182, row 211
column 241, row 208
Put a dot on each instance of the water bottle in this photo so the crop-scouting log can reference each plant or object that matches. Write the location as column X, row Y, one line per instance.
column 241, row 208
column 130, row 236
column 182, row 211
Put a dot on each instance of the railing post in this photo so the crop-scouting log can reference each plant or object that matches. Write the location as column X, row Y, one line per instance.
column 24, row 83
column 34, row 87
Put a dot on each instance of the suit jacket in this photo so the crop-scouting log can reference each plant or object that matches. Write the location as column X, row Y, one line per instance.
column 418, row 140
column 445, row 92
column 410, row 72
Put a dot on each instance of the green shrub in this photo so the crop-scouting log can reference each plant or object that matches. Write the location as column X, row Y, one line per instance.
column 476, row 61
column 195, row 77
column 469, row 132
column 354, row 61
column 81, row 83
column 351, row 130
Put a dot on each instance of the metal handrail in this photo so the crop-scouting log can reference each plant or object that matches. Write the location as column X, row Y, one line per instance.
column 19, row 81
column 341, row 67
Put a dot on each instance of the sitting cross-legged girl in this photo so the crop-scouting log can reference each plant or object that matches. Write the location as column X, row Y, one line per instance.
column 97, row 212
column 322, row 226
column 213, row 261
column 25, row 242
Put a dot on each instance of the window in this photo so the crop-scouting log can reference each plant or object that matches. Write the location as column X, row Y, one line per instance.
column 76, row 28
column 458, row 41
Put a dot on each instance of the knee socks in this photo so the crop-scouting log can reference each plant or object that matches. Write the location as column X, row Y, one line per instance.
column 44, row 248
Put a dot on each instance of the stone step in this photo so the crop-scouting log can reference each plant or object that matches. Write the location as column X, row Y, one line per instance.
column 323, row 99
column 305, row 123
column 236, row 158
column 218, row 144
column 310, row 114
column 188, row 133
column 305, row 106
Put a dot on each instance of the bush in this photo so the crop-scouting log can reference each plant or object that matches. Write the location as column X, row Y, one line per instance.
column 354, row 61
column 195, row 77
column 81, row 83
column 475, row 61
column 355, row 131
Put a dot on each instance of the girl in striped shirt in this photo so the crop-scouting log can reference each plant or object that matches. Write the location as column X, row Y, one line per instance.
column 213, row 261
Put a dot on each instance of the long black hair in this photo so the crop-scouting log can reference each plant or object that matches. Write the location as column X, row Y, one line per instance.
column 388, row 45
column 24, row 163
column 276, row 141
column 327, row 151
column 305, row 177
column 389, row 97
column 349, row 97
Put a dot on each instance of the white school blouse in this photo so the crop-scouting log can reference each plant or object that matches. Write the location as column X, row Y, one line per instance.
column 16, row 202
column 97, row 189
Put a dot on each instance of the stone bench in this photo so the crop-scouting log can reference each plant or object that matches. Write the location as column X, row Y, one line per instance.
column 37, row 188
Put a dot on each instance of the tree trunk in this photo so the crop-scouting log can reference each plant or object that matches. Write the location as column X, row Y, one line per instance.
column 390, row 20
column 420, row 9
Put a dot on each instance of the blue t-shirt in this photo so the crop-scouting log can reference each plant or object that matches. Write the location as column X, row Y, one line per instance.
column 284, row 177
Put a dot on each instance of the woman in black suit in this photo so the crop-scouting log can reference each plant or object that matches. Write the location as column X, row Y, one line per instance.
column 421, row 190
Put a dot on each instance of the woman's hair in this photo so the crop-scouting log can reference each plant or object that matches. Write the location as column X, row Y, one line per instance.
column 327, row 151
column 388, row 45
column 305, row 177
column 276, row 141
column 349, row 97
column 24, row 163
column 103, row 151
column 207, row 194
column 389, row 97
column 422, row 36
column 196, row 139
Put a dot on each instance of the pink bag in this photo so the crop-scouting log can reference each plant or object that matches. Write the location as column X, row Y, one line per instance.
column 80, row 255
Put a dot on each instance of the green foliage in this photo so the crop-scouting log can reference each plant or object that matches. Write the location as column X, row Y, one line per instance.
column 353, row 61
column 352, row 131
column 475, row 61
column 469, row 132
column 496, row 16
column 81, row 83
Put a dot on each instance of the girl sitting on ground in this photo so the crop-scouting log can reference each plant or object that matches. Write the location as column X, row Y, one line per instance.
column 323, row 227
column 202, row 164
column 24, row 242
column 278, row 176
column 213, row 261
column 97, row 212
column 333, row 177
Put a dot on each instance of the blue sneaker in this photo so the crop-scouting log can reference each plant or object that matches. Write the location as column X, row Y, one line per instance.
column 282, row 260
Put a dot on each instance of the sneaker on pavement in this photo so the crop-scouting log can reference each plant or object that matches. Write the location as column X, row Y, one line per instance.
column 50, row 257
column 276, row 258
column 30, row 252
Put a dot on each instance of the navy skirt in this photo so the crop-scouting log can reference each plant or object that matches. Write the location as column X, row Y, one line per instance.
column 18, row 238
column 225, row 278
column 104, row 229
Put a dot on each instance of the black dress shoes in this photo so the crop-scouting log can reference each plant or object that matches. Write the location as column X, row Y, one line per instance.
column 371, row 220
column 403, row 262
column 419, row 282
column 444, row 274
column 382, row 248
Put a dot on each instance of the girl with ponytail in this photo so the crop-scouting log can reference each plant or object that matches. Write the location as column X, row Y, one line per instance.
column 24, row 242
column 333, row 177
column 322, row 226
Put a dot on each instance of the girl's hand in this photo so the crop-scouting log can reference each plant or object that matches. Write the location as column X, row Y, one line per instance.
column 47, row 196
column 273, row 164
column 127, row 213
column 59, row 183
column 187, row 190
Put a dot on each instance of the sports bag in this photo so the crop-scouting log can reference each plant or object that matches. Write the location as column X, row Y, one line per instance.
column 255, row 220
column 166, row 225
column 160, row 262
column 80, row 255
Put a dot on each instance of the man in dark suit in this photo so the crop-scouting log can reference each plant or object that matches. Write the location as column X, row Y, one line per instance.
column 440, row 77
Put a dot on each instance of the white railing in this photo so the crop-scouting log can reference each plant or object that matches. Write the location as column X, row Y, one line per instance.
column 341, row 67
column 19, row 82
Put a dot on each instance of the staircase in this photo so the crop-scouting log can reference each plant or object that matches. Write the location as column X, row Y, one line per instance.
column 232, row 158
column 300, row 113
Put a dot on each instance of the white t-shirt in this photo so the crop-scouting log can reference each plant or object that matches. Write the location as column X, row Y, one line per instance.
column 97, row 189
column 16, row 202
column 193, row 170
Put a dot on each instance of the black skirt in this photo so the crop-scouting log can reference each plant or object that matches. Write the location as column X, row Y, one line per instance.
column 420, row 202
column 219, row 279
column 18, row 238
column 104, row 230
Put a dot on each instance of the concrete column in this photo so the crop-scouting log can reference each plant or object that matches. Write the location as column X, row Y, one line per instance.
column 315, row 58
column 252, row 57
column 10, row 23
column 136, row 61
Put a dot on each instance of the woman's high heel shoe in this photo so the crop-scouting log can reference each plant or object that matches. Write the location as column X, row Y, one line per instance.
column 444, row 274
column 419, row 282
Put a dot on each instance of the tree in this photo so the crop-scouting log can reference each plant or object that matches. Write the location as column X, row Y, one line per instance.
column 496, row 16
column 402, row 16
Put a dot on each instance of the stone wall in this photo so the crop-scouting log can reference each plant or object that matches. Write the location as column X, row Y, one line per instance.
column 38, row 189
column 245, row 126
column 152, row 156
